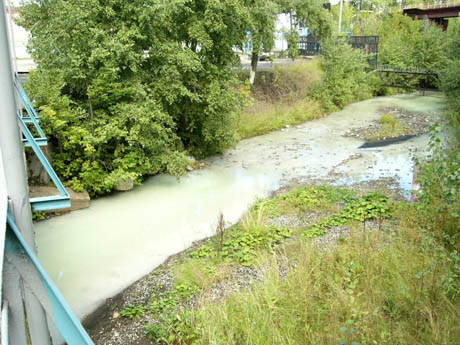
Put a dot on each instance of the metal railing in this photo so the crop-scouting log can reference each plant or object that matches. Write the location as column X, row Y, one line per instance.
column 437, row 4
column 406, row 70
column 54, row 304
column 32, row 117
column 369, row 45
column 63, row 324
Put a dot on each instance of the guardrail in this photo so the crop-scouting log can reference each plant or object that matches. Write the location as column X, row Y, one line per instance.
column 369, row 45
column 19, row 261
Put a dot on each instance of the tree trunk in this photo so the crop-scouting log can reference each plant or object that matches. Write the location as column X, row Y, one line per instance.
column 254, row 60
column 91, row 113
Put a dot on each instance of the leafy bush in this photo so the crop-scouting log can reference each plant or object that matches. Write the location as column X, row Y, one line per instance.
column 292, row 38
column 450, row 77
column 439, row 200
column 404, row 43
column 345, row 78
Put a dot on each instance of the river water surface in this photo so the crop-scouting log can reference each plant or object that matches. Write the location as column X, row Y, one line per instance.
column 94, row 253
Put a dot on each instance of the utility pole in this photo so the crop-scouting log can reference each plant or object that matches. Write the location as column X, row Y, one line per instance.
column 340, row 16
column 16, row 184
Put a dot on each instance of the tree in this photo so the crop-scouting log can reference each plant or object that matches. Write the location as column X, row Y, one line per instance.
column 293, row 43
column 311, row 13
column 263, row 15
column 125, row 86
column 450, row 78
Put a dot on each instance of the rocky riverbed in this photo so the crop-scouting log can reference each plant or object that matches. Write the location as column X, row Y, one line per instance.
column 415, row 123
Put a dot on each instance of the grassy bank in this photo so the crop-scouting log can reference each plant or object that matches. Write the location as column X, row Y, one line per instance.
column 315, row 265
column 381, row 287
column 278, row 99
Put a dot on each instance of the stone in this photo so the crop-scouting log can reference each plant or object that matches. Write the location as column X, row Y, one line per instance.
column 79, row 200
column 124, row 185
column 35, row 167
column 189, row 168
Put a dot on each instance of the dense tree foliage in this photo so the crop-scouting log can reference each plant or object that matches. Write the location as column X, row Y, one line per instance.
column 405, row 43
column 263, row 14
column 450, row 76
column 126, row 86
column 312, row 14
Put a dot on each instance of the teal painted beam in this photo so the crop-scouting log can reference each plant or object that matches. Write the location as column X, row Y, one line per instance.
column 46, row 203
column 39, row 141
column 26, row 102
column 66, row 321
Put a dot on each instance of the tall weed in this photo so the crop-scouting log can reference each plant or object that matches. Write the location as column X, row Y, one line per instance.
column 373, row 289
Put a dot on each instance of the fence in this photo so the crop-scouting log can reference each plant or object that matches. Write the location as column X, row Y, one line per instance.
column 369, row 45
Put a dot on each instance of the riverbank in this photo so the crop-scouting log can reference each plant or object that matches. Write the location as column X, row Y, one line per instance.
column 122, row 319
column 198, row 296
column 279, row 98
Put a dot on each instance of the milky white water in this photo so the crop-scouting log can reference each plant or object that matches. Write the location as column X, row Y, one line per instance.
column 93, row 254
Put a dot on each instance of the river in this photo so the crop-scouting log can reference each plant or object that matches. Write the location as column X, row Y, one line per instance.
column 93, row 254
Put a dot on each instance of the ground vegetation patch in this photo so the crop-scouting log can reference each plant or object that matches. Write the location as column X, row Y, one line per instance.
column 161, row 307
column 393, row 123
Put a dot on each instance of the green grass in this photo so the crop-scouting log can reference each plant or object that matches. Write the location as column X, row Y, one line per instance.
column 392, row 285
column 391, row 128
column 376, row 288
column 279, row 98
column 263, row 117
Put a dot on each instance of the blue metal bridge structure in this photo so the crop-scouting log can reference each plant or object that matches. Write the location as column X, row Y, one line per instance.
column 33, row 311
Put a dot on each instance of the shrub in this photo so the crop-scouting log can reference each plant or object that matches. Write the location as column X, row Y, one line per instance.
column 404, row 43
column 345, row 78
column 450, row 77
column 439, row 200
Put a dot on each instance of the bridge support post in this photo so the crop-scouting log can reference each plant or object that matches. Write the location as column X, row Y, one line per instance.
column 16, row 182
